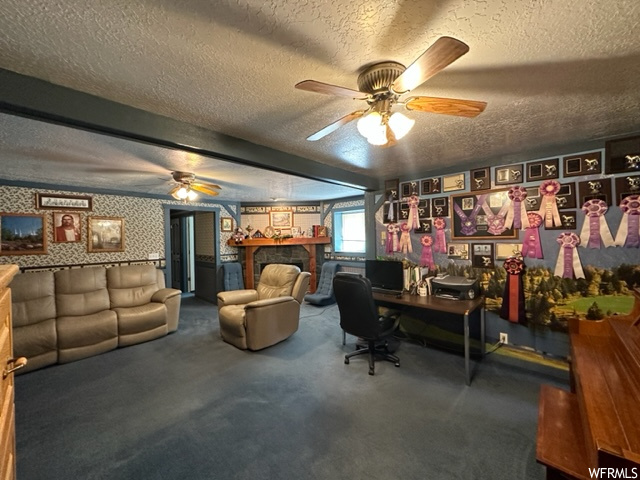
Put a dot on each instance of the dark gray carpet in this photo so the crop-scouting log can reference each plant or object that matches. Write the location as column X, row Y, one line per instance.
column 189, row 406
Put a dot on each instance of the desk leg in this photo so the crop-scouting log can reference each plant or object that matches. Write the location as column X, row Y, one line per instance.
column 466, row 348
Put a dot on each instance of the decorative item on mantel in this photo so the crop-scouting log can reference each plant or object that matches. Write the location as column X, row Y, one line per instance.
column 238, row 235
column 249, row 229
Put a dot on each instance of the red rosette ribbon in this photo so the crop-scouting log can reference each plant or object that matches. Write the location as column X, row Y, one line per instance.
column 513, row 299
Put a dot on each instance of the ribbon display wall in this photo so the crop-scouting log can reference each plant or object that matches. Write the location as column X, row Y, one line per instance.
column 440, row 245
column 548, row 205
column 531, row 246
column 405, row 239
column 426, row 259
column 513, row 298
column 516, row 213
column 568, row 263
column 392, row 238
column 595, row 231
column 414, row 221
column 468, row 222
column 496, row 221
column 629, row 230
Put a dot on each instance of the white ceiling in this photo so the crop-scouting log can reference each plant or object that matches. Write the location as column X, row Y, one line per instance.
column 559, row 76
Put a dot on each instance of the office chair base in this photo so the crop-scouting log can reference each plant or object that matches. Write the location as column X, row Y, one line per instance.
column 374, row 351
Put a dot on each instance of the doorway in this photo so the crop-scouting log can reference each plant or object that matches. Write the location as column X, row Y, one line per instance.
column 182, row 251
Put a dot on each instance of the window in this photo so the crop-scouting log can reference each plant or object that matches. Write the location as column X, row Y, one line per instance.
column 349, row 231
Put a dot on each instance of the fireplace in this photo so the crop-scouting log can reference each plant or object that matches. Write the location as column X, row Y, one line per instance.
column 284, row 254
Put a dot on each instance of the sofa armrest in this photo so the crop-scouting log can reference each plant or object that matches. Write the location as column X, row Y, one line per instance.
column 236, row 297
column 164, row 294
column 269, row 301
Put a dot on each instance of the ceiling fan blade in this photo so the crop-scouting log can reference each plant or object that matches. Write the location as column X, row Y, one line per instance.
column 206, row 185
column 327, row 89
column 335, row 125
column 442, row 53
column 202, row 189
column 446, row 106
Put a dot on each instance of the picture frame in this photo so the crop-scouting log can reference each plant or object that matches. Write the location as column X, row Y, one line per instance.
column 458, row 251
column 440, row 207
column 581, row 165
column 509, row 174
column 226, row 224
column 391, row 200
column 281, row 219
column 622, row 155
column 452, row 183
column 424, row 208
column 480, row 179
column 425, row 225
column 627, row 185
column 566, row 196
column 533, row 200
column 409, row 188
column 391, row 190
column 105, row 234
column 430, row 186
column 598, row 188
column 568, row 219
column 482, row 255
column 67, row 227
column 63, row 202
column 543, row 170
column 507, row 250
column 23, row 234
column 467, row 206
column 390, row 212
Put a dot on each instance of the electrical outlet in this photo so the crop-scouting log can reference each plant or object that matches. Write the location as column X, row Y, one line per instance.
column 504, row 338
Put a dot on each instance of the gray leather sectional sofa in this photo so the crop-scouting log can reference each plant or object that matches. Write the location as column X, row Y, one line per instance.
column 63, row 316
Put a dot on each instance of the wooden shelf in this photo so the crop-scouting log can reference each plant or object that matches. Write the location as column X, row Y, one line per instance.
column 261, row 242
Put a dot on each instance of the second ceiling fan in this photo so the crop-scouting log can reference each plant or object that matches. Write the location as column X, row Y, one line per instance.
column 381, row 85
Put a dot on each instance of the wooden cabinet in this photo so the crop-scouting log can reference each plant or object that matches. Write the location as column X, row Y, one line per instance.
column 7, row 416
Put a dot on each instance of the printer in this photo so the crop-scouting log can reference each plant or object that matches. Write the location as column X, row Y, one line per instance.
column 455, row 288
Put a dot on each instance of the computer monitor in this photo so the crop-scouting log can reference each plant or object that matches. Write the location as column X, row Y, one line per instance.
column 385, row 274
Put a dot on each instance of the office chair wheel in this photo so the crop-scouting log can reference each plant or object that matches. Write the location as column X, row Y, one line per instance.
column 397, row 364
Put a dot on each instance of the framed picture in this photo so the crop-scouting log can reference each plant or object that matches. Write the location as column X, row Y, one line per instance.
column 627, row 185
column 23, row 234
column 509, row 174
column 506, row 250
column 458, row 251
column 424, row 226
column 622, row 155
column 390, row 212
column 476, row 214
column 440, row 207
column 105, row 234
column 226, row 224
column 429, row 186
column 281, row 219
column 424, row 208
column 409, row 188
column 566, row 196
column 63, row 202
column 533, row 200
column 598, row 188
column 391, row 191
column 583, row 164
column 453, row 182
column 543, row 170
column 568, row 221
column 391, row 200
column 480, row 179
column 482, row 255
column 66, row 227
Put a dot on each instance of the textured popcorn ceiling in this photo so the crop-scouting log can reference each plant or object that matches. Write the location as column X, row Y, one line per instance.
column 558, row 76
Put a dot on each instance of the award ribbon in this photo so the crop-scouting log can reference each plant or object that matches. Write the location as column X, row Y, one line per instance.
column 531, row 246
column 391, row 213
column 405, row 239
column 413, row 221
column 568, row 259
column 629, row 230
column 496, row 221
column 440, row 244
column 468, row 223
column 426, row 259
column 517, row 214
column 548, row 205
column 595, row 231
column 513, row 299
column 392, row 238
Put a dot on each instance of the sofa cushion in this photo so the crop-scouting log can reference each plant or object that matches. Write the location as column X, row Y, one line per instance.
column 81, row 291
column 86, row 335
column 131, row 285
column 33, row 298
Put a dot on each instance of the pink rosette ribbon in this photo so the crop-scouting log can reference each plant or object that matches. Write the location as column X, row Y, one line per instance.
column 568, row 262
column 548, row 205
column 440, row 245
column 405, row 239
column 595, row 231
column 629, row 231
column 392, row 238
column 413, row 221
column 531, row 246
column 426, row 259
column 517, row 214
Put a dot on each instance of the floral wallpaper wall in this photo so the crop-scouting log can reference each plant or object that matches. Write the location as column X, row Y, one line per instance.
column 143, row 226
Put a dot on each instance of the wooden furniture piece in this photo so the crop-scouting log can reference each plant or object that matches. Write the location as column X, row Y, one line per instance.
column 464, row 308
column 9, row 365
column 595, row 425
column 251, row 245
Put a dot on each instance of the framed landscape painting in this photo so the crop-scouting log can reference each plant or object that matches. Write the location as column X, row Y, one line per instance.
column 23, row 234
column 106, row 234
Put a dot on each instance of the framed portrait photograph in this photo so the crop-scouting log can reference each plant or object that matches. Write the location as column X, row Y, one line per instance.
column 226, row 224
column 63, row 202
column 479, row 215
column 281, row 219
column 482, row 255
column 23, row 234
column 453, row 182
column 105, row 234
column 67, row 227
column 458, row 251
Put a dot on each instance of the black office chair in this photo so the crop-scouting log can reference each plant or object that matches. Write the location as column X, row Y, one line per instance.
column 359, row 316
column 324, row 293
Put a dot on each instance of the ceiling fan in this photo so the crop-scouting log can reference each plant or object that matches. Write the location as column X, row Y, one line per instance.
column 186, row 186
column 381, row 85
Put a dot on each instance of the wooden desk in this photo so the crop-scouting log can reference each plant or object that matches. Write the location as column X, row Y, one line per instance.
column 458, row 307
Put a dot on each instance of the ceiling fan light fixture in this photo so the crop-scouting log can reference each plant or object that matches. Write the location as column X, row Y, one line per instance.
column 400, row 124
column 191, row 195
column 182, row 193
column 369, row 123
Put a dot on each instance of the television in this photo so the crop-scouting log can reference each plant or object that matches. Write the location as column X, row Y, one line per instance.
column 385, row 274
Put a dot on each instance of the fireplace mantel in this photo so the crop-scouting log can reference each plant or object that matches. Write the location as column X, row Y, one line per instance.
column 251, row 245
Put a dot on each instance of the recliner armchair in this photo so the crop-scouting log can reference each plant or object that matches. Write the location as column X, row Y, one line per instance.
column 253, row 319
